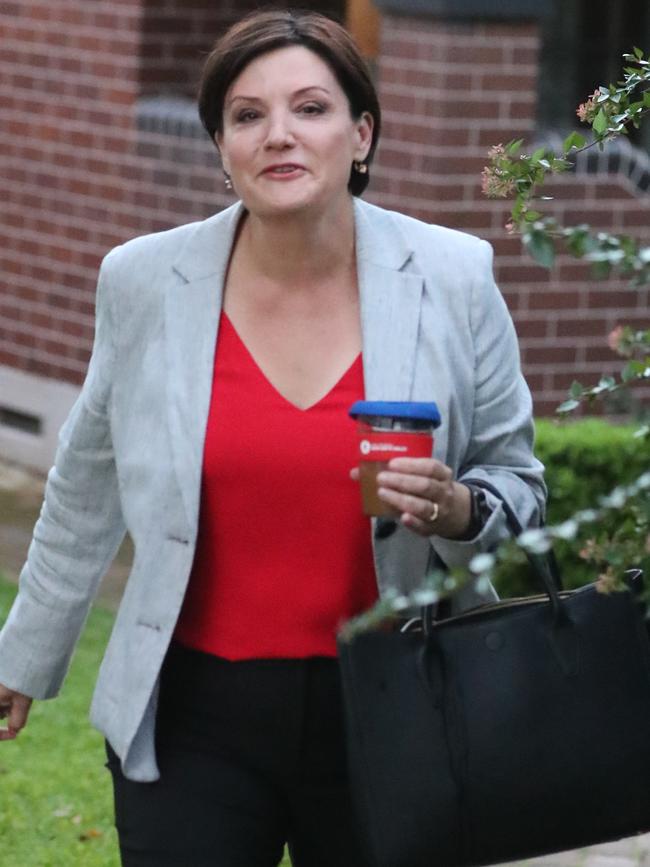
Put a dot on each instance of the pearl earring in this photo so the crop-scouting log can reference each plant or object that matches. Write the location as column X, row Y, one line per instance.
column 360, row 167
column 226, row 180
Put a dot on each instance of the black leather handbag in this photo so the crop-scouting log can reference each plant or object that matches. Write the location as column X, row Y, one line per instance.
column 510, row 731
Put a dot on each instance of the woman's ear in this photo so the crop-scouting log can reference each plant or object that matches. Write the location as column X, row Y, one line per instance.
column 365, row 126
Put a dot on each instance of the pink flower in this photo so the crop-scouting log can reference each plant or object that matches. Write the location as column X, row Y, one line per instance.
column 495, row 185
column 614, row 339
column 496, row 151
column 588, row 110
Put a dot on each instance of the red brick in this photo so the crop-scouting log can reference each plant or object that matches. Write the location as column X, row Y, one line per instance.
column 520, row 109
column 633, row 218
column 459, row 108
column 546, row 300
column 582, row 327
column 524, row 272
column 531, row 327
column 472, row 221
column 616, row 299
column 600, row 353
column 508, row 81
column 551, row 355
column 461, row 81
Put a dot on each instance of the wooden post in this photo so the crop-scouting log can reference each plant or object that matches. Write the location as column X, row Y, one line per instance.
column 362, row 20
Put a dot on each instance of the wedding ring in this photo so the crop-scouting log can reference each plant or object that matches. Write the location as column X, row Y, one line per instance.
column 434, row 513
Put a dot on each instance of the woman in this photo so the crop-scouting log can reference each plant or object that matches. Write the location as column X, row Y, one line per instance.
column 218, row 694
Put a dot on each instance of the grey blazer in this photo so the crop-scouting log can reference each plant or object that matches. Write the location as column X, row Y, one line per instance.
column 435, row 327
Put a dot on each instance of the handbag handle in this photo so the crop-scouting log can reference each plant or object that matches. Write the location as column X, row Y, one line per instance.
column 514, row 525
column 545, row 566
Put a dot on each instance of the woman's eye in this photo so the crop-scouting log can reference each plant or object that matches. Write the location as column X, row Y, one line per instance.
column 312, row 108
column 246, row 114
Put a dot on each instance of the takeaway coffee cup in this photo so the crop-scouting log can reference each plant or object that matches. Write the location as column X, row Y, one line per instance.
column 390, row 429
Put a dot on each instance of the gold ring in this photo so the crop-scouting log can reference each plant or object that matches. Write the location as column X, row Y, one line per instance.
column 434, row 513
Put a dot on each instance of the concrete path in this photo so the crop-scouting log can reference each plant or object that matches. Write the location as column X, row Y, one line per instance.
column 631, row 852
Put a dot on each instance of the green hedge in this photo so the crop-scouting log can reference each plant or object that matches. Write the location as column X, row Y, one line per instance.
column 584, row 460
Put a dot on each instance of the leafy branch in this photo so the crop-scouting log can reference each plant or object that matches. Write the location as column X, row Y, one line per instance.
column 610, row 111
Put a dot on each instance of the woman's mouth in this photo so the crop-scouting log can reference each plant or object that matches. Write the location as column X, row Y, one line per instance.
column 285, row 171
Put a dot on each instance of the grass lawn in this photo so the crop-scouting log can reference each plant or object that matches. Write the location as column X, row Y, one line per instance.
column 56, row 804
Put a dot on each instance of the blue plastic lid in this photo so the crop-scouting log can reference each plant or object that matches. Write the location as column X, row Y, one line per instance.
column 397, row 409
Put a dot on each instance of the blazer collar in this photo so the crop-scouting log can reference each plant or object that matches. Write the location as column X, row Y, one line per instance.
column 390, row 295
column 379, row 239
column 206, row 251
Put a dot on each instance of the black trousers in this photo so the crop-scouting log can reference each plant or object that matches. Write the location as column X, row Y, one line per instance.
column 251, row 756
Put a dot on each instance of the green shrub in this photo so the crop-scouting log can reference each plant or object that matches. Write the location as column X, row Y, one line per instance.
column 584, row 460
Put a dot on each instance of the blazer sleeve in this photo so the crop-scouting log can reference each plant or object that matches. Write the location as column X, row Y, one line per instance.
column 501, row 442
column 77, row 534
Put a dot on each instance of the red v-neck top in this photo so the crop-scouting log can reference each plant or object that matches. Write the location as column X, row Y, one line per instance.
column 283, row 552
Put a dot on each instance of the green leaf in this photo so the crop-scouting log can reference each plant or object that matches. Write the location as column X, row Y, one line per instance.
column 538, row 154
column 606, row 383
column 578, row 241
column 513, row 146
column 638, row 53
column 573, row 140
column 568, row 406
column 600, row 122
column 532, row 216
column 576, row 389
column 646, row 99
column 541, row 248
column 628, row 373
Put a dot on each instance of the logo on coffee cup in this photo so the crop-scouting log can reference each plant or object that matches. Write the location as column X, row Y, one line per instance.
column 365, row 447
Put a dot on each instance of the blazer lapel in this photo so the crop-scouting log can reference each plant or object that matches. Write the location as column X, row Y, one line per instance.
column 391, row 297
column 192, row 310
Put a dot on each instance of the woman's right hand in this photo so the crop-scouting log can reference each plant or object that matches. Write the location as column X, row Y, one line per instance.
column 14, row 706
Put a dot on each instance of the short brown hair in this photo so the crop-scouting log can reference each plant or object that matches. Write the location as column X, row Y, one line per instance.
column 261, row 32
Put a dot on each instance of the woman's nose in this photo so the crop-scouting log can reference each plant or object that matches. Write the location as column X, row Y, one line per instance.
column 279, row 132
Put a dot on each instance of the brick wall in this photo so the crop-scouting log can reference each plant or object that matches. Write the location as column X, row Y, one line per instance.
column 91, row 157
column 79, row 176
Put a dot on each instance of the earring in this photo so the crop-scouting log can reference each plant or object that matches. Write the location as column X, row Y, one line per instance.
column 226, row 180
column 360, row 167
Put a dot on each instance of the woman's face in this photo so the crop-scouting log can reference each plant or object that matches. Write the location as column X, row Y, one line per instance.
column 288, row 138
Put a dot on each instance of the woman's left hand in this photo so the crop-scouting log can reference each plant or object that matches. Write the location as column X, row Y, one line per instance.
column 426, row 497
